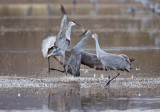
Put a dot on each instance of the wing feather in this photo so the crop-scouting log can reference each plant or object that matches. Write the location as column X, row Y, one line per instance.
column 63, row 28
column 47, row 43
column 90, row 60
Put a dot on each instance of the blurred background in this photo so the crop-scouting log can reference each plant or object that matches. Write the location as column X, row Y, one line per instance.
column 131, row 27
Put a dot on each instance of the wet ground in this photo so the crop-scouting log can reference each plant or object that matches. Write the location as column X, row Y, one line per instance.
column 26, row 85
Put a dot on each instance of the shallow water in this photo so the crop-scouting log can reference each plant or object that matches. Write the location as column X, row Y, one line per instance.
column 70, row 100
column 26, row 85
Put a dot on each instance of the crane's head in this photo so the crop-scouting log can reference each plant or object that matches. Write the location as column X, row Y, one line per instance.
column 94, row 35
column 84, row 33
column 73, row 23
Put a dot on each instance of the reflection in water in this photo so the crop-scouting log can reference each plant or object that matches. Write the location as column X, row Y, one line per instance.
column 66, row 100
column 62, row 101
column 74, row 100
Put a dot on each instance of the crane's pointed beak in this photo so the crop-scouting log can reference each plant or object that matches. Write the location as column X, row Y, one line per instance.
column 82, row 34
column 77, row 24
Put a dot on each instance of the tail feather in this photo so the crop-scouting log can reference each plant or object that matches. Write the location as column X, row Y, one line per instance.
column 63, row 10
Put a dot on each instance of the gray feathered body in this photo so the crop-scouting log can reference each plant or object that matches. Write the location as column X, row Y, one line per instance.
column 61, row 38
column 60, row 51
column 114, row 61
column 74, row 61
column 62, row 33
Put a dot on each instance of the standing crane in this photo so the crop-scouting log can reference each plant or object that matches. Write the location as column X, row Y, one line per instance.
column 58, row 44
column 132, row 10
column 48, row 11
column 157, row 10
column 74, row 2
column 111, row 61
column 28, row 11
column 74, row 61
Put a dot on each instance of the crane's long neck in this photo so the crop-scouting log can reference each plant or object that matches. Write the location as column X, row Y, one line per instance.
column 68, row 32
column 98, row 49
column 82, row 43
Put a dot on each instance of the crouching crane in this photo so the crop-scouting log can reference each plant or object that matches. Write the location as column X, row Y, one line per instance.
column 74, row 61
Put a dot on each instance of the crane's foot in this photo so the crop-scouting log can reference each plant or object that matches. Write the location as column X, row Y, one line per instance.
column 49, row 72
column 109, row 77
column 57, row 70
column 108, row 83
column 65, row 72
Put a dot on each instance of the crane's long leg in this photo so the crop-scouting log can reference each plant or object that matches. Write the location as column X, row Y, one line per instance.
column 54, row 54
column 108, row 71
column 48, row 66
column 64, row 62
column 56, row 70
column 113, row 77
column 66, row 67
column 49, row 69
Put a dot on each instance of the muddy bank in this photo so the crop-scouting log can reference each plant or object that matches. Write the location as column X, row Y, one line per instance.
column 78, row 82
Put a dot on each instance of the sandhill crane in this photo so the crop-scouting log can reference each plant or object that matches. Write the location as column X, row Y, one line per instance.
column 157, row 41
column 111, row 61
column 59, row 44
column 28, row 11
column 63, row 44
column 94, row 2
column 145, row 3
column 132, row 10
column 48, row 10
column 157, row 10
column 74, row 2
column 74, row 61
column 124, row 1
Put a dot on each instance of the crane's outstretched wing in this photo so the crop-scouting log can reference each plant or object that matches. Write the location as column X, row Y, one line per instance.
column 88, row 59
column 47, row 43
column 63, row 27
column 91, row 60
